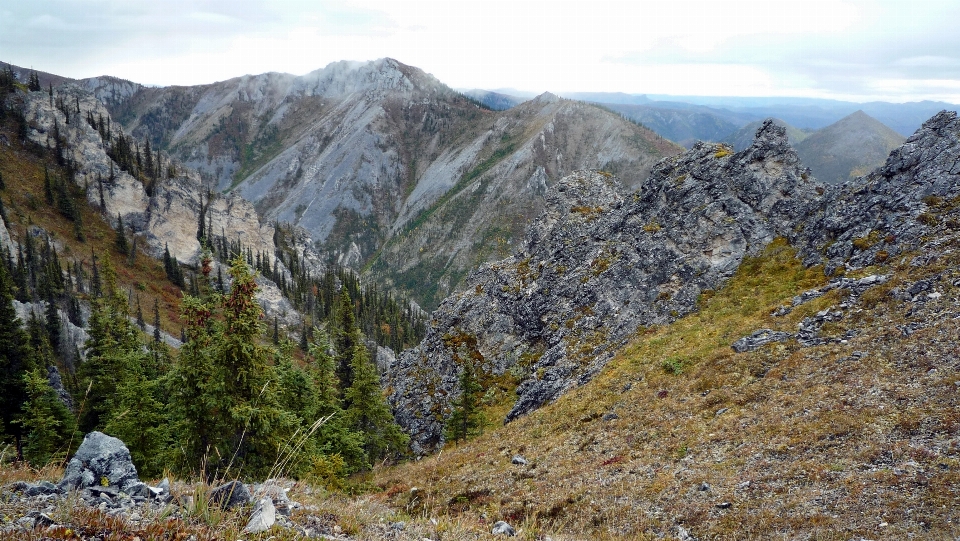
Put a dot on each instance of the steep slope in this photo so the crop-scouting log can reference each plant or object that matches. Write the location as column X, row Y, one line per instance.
column 358, row 154
column 850, row 147
column 599, row 263
column 743, row 137
column 798, row 401
column 502, row 187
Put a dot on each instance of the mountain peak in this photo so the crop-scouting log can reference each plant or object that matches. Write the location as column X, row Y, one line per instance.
column 546, row 97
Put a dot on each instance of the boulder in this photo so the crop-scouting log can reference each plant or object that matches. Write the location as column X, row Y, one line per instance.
column 101, row 460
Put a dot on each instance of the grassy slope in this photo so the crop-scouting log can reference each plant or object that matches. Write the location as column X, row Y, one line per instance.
column 801, row 442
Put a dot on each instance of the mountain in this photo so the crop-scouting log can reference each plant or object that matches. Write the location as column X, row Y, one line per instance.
column 598, row 264
column 618, row 98
column 816, row 113
column 820, row 334
column 494, row 100
column 850, row 147
column 743, row 137
column 372, row 158
column 683, row 126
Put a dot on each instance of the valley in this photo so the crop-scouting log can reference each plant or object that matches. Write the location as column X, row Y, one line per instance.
column 754, row 336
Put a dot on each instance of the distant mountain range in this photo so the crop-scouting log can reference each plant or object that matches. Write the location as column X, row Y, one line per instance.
column 851, row 138
column 387, row 169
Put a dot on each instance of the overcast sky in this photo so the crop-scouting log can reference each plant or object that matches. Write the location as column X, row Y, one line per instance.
column 857, row 50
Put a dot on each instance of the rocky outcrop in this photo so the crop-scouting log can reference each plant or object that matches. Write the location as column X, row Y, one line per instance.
column 888, row 212
column 596, row 265
column 170, row 217
column 601, row 262
column 102, row 461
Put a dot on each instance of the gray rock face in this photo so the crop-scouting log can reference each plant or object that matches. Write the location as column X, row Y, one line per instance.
column 600, row 262
column 887, row 212
column 596, row 265
column 263, row 518
column 101, row 461
column 382, row 163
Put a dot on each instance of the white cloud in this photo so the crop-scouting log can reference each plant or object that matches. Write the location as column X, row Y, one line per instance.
column 849, row 48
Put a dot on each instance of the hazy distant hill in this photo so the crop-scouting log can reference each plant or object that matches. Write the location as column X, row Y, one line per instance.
column 494, row 100
column 684, row 127
column 851, row 147
column 815, row 113
column 743, row 137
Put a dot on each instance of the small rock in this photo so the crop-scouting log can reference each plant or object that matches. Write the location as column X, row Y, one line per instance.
column 724, row 505
column 230, row 495
column 684, row 535
column 704, row 487
column 760, row 338
column 610, row 416
column 721, row 411
column 519, row 460
column 263, row 517
column 502, row 528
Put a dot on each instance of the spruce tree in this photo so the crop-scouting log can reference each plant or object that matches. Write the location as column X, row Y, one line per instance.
column 113, row 350
column 47, row 424
column 368, row 412
column 465, row 419
column 15, row 361
column 346, row 339
column 120, row 241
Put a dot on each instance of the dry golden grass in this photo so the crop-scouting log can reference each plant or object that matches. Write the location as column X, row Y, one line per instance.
column 801, row 443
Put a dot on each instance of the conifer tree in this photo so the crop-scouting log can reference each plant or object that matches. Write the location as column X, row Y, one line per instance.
column 121, row 237
column 113, row 350
column 33, row 82
column 156, row 320
column 47, row 423
column 465, row 419
column 15, row 361
column 346, row 339
column 368, row 411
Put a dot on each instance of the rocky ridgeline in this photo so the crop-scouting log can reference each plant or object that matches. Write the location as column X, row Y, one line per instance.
column 880, row 216
column 600, row 262
column 596, row 265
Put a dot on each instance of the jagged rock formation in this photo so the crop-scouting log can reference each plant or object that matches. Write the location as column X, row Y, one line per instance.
column 888, row 212
column 382, row 164
column 743, row 137
column 597, row 264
